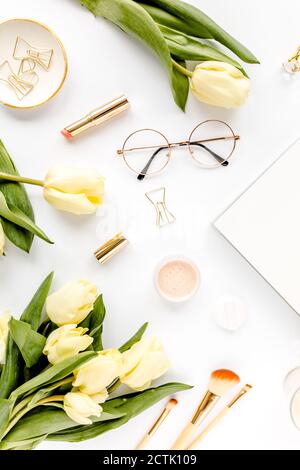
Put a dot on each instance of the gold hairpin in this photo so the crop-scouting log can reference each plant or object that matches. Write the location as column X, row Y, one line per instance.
column 24, row 50
column 293, row 64
column 158, row 198
column 19, row 84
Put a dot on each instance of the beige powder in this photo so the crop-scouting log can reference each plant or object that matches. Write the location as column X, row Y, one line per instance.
column 177, row 279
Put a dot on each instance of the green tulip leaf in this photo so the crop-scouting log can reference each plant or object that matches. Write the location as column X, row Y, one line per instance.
column 15, row 194
column 43, row 393
column 17, row 217
column 162, row 17
column 26, row 444
column 53, row 374
column 181, row 86
column 29, row 342
column 31, row 315
column 5, row 408
column 42, row 421
column 134, row 20
column 94, row 323
column 11, row 369
column 188, row 48
column 134, row 339
column 131, row 405
column 198, row 20
column 33, row 312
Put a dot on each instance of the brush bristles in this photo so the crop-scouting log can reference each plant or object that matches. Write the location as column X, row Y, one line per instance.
column 221, row 381
column 173, row 402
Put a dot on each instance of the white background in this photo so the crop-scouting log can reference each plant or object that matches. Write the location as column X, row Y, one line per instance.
column 104, row 63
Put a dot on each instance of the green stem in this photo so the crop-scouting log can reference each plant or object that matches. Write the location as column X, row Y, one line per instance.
column 21, row 179
column 13, row 422
column 50, row 399
column 21, row 405
column 26, row 400
column 181, row 69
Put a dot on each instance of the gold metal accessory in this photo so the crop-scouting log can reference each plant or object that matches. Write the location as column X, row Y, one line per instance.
column 147, row 152
column 25, row 51
column 19, row 85
column 97, row 117
column 111, row 248
column 293, row 64
column 219, row 416
column 158, row 198
column 26, row 72
column 165, row 413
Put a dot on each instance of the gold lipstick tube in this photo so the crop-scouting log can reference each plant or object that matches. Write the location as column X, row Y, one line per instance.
column 111, row 248
column 97, row 117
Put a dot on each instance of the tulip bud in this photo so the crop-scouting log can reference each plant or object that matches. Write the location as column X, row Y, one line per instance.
column 79, row 407
column 2, row 240
column 220, row 84
column 72, row 303
column 143, row 362
column 75, row 190
column 4, row 330
column 98, row 373
column 65, row 342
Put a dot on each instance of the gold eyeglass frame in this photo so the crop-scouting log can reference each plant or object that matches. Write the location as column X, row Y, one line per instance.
column 121, row 152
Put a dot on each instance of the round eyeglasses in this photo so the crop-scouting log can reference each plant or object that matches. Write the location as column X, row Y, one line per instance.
column 147, row 152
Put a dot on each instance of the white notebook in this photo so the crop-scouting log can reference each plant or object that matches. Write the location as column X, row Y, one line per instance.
column 263, row 224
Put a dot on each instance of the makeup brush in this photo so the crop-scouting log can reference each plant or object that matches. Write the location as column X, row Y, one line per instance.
column 219, row 416
column 221, row 381
column 165, row 413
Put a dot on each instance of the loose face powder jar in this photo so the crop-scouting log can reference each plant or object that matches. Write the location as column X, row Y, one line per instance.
column 177, row 279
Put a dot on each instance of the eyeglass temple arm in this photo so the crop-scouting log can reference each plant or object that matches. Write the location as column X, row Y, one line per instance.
column 143, row 173
column 213, row 154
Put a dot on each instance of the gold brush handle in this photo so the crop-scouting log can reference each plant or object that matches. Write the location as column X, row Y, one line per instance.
column 144, row 442
column 208, row 428
column 185, row 437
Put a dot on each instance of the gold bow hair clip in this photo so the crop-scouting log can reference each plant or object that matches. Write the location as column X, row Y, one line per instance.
column 22, row 83
column 31, row 55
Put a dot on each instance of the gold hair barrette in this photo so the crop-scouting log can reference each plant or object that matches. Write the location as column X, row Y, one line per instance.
column 21, row 84
column 25, row 51
column 158, row 198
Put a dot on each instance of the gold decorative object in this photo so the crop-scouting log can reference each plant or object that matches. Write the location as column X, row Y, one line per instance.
column 25, row 51
column 292, row 66
column 111, row 248
column 158, row 198
column 18, row 83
